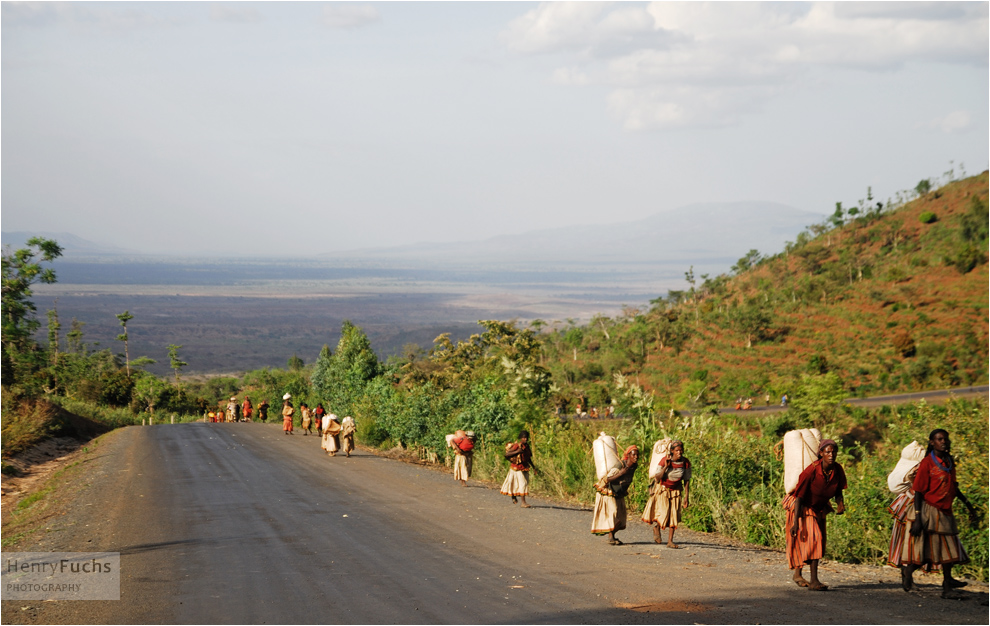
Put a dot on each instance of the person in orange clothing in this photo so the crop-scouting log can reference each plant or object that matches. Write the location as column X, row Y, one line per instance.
column 287, row 412
column 247, row 409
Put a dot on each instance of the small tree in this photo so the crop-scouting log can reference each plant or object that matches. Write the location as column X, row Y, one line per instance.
column 124, row 318
column 923, row 187
column 174, row 361
column 21, row 269
column 295, row 363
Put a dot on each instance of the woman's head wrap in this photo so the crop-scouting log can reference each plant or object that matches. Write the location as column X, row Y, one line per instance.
column 676, row 444
column 628, row 453
column 825, row 443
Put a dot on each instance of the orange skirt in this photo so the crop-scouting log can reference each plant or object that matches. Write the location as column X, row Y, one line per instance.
column 809, row 544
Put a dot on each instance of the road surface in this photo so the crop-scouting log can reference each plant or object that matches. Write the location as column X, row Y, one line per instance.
column 238, row 523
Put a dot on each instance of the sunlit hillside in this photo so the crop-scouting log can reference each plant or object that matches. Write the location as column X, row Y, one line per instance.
column 888, row 300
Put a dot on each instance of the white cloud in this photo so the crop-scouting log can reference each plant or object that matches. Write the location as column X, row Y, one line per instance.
column 570, row 76
column 229, row 12
column 675, row 64
column 955, row 122
column 344, row 15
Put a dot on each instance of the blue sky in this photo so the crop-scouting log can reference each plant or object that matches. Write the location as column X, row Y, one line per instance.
column 290, row 128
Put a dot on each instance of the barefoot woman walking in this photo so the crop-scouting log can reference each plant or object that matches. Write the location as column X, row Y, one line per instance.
column 807, row 507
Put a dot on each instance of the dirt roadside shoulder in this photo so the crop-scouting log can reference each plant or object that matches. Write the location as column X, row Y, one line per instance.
column 91, row 504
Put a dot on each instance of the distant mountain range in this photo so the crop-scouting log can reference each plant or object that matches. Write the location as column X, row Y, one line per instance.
column 710, row 236
column 708, row 233
column 71, row 245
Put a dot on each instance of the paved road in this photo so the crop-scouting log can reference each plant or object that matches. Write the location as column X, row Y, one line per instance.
column 237, row 523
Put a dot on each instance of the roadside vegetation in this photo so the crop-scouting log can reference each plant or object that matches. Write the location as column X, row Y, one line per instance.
column 882, row 297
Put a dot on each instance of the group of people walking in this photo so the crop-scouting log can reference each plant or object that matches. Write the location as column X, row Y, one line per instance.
column 924, row 535
column 234, row 412
column 336, row 434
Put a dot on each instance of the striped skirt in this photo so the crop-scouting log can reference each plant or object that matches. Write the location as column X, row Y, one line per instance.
column 809, row 544
column 663, row 507
column 937, row 545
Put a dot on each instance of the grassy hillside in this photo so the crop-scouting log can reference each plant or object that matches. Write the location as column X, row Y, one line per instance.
column 886, row 300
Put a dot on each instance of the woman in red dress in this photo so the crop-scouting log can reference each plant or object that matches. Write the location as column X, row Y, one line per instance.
column 807, row 507
column 934, row 538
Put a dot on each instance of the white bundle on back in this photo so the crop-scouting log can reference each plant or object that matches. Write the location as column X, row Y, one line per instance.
column 800, row 451
column 449, row 439
column 911, row 456
column 606, row 454
column 660, row 450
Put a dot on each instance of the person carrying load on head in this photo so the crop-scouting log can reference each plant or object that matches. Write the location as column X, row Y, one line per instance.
column 933, row 540
column 806, row 506
column 520, row 457
column 670, row 489
column 347, row 430
column 263, row 410
column 462, row 444
column 610, row 502
column 287, row 412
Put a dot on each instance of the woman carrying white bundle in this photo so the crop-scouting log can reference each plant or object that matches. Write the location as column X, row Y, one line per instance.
column 347, row 430
column 610, row 501
column 899, row 482
column 669, row 491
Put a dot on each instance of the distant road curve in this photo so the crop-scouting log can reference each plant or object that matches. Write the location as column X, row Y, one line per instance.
column 873, row 401
column 898, row 398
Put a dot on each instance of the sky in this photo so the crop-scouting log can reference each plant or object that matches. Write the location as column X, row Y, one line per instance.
column 290, row 129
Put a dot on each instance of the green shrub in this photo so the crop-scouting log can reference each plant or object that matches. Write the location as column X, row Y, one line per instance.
column 927, row 218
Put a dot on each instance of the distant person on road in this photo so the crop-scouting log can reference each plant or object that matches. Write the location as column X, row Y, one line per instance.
column 463, row 446
column 610, row 501
column 307, row 419
column 934, row 538
column 806, row 506
column 263, row 410
column 347, row 430
column 318, row 414
column 232, row 409
column 783, row 400
column 520, row 457
column 247, row 410
column 768, row 398
column 287, row 412
column 669, row 494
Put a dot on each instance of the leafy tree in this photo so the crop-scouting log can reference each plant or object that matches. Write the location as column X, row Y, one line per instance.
column 20, row 270
column 295, row 363
column 923, row 187
column 174, row 361
column 340, row 378
column 817, row 398
column 753, row 320
column 752, row 258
